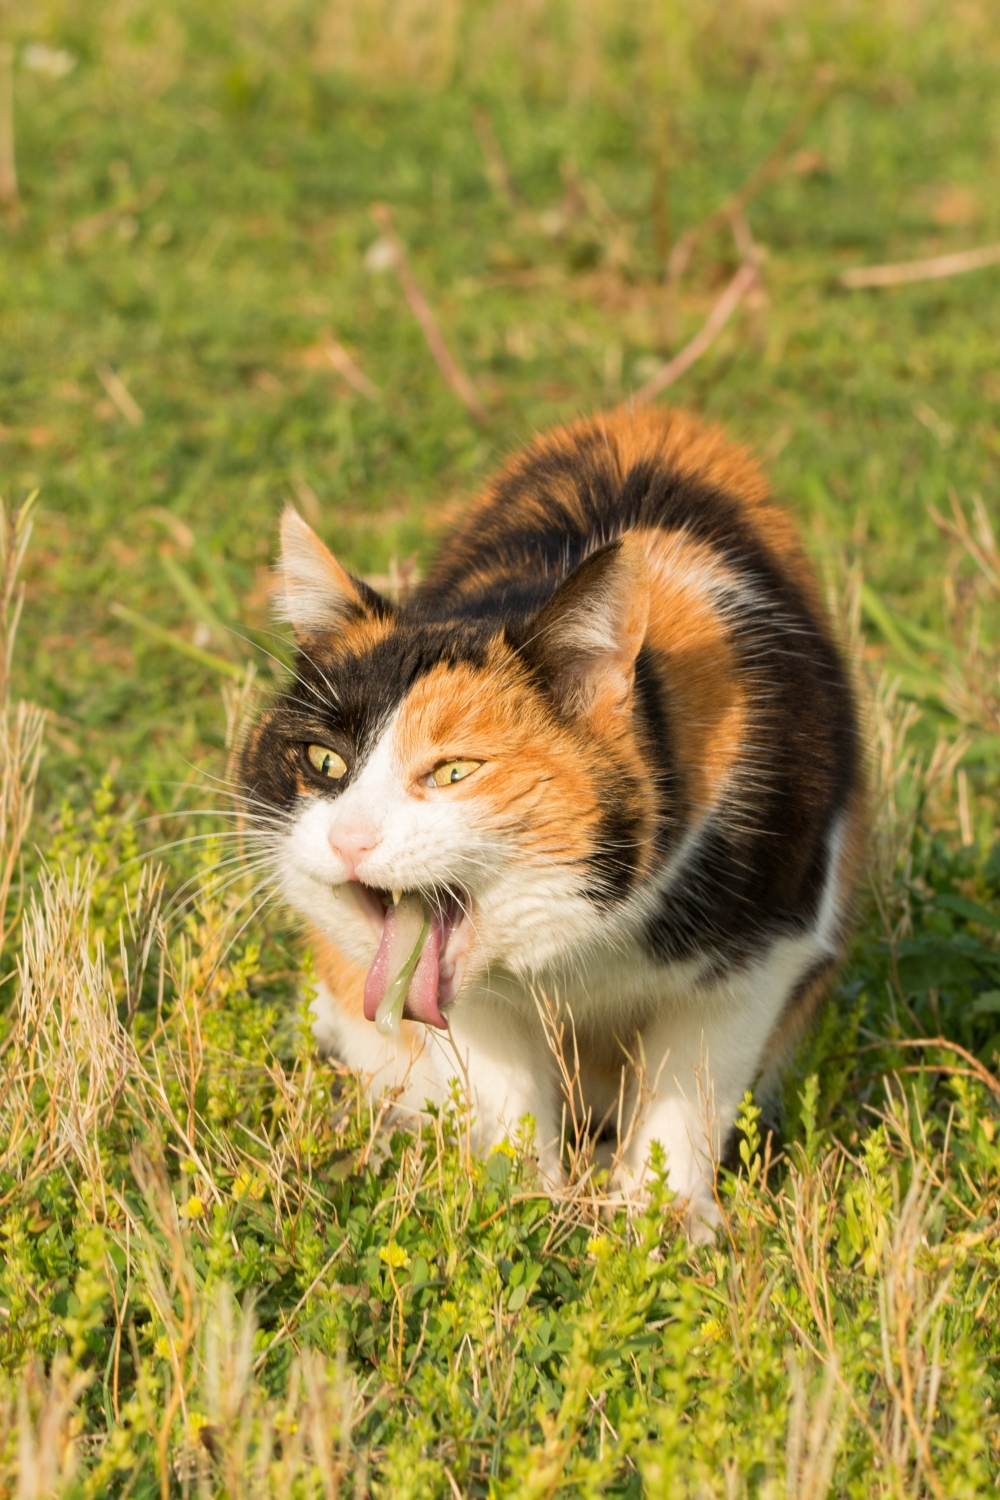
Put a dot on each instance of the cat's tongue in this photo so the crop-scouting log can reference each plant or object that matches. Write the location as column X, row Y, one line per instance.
column 404, row 926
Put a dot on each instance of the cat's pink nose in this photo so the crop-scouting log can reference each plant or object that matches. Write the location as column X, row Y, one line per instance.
column 352, row 843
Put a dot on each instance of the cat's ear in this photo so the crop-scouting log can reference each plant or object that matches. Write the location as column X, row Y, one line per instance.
column 315, row 594
column 588, row 636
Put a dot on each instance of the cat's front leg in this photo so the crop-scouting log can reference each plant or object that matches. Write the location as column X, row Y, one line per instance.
column 499, row 1054
column 701, row 1057
column 699, row 1063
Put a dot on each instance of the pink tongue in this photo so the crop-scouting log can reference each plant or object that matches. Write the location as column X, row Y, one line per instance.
column 422, row 997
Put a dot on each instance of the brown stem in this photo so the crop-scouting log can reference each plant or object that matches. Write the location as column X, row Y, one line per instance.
column 446, row 362
column 717, row 319
column 934, row 268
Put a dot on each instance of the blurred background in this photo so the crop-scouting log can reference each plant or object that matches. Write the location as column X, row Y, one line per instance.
column 206, row 312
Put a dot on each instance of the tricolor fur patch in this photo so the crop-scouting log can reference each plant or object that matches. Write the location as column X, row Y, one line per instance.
column 662, row 822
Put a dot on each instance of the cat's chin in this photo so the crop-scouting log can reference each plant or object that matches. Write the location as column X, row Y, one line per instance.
column 443, row 961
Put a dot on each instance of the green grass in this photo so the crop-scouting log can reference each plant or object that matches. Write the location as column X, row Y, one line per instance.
column 219, row 1273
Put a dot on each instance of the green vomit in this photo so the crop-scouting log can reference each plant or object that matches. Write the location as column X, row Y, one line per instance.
column 408, row 912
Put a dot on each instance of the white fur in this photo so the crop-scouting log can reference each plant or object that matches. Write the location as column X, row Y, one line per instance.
column 534, row 931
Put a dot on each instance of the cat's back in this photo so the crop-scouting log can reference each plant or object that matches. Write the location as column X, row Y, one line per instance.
column 744, row 708
column 579, row 486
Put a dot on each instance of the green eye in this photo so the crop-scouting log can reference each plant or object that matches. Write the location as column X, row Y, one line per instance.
column 327, row 762
column 452, row 770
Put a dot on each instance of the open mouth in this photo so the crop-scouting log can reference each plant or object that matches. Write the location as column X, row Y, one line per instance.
column 423, row 946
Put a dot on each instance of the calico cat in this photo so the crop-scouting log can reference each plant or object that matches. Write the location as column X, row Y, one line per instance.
column 611, row 749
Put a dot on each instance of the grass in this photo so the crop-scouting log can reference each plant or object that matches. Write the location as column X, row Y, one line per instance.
column 221, row 1270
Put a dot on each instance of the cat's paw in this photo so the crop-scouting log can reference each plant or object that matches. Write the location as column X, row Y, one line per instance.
column 700, row 1213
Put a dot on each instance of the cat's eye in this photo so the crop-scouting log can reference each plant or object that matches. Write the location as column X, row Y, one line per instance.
column 452, row 770
column 326, row 762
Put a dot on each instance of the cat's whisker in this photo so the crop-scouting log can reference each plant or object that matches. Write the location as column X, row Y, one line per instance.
column 231, row 912
column 268, row 899
column 180, row 902
column 207, row 881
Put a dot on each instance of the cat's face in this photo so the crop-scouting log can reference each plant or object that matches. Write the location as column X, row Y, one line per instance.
column 498, row 778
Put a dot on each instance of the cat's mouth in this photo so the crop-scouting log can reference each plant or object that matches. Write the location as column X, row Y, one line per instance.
column 440, row 967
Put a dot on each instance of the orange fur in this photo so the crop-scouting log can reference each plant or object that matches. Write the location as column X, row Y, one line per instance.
column 671, row 439
column 533, row 776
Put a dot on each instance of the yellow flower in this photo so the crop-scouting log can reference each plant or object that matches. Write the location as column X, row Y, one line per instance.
column 162, row 1347
column 597, row 1245
column 393, row 1255
column 248, row 1186
column 506, row 1148
column 193, row 1208
column 712, row 1330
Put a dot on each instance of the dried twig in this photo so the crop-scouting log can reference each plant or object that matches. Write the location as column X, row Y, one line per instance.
column 934, row 268
column 983, row 550
column 717, row 319
column 400, row 579
column 979, row 1072
column 345, row 366
column 8, row 166
column 494, row 161
column 449, row 366
column 772, row 166
column 121, row 395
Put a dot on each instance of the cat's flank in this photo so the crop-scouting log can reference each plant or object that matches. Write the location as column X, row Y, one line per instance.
column 609, row 748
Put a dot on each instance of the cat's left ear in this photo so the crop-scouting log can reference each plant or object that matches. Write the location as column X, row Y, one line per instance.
column 315, row 594
column 588, row 636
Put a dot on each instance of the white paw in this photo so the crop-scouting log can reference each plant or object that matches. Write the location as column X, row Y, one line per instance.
column 702, row 1217
column 700, row 1213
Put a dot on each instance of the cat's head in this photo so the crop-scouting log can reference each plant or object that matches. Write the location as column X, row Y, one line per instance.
column 492, row 768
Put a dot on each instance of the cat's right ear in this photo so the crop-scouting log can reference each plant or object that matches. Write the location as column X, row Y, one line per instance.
column 588, row 636
column 315, row 594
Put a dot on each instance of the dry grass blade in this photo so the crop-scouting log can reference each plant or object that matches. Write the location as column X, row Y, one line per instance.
column 15, row 534
column 446, row 362
column 814, row 1438
column 982, row 548
column 21, row 726
column 745, row 278
column 345, row 367
column 47, row 1456
column 121, row 396
column 71, row 1053
column 972, row 675
column 910, row 1314
column 934, row 268
column 21, row 732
